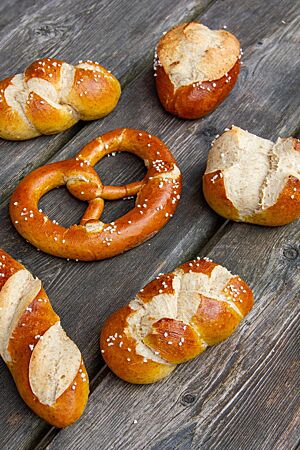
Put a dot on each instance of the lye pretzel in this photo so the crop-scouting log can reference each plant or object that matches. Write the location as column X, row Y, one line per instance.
column 158, row 195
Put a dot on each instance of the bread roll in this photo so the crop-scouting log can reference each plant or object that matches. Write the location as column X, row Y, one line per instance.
column 251, row 179
column 46, row 365
column 195, row 69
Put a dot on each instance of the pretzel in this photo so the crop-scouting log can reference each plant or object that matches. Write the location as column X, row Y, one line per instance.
column 51, row 96
column 174, row 319
column 46, row 365
column 158, row 195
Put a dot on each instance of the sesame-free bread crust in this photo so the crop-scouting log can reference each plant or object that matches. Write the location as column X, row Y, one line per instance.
column 196, row 68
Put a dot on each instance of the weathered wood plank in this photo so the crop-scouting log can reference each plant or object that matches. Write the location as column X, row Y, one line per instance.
column 243, row 393
column 11, row 11
column 184, row 138
column 20, row 427
column 77, row 30
column 258, row 94
column 84, row 308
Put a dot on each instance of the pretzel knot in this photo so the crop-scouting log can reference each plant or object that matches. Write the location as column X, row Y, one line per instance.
column 51, row 96
column 158, row 195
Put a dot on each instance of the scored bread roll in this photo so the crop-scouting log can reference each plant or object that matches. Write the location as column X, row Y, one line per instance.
column 46, row 365
column 251, row 179
column 195, row 69
column 174, row 319
column 51, row 96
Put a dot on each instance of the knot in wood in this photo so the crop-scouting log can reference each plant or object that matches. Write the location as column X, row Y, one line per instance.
column 188, row 399
column 290, row 253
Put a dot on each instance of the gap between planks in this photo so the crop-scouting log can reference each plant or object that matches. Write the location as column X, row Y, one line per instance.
column 99, row 377
column 102, row 372
column 60, row 140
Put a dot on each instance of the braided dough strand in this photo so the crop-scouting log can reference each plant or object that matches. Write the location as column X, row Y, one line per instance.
column 51, row 96
column 174, row 319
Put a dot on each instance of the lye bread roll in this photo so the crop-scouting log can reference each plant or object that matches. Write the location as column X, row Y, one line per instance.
column 251, row 179
column 51, row 96
column 195, row 69
column 174, row 319
column 46, row 365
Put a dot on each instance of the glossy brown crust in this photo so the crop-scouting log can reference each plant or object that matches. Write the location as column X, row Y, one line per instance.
column 103, row 90
column 12, row 125
column 167, row 338
column 120, row 354
column 35, row 321
column 173, row 340
column 284, row 211
column 215, row 195
column 156, row 202
column 157, row 286
column 194, row 101
column 93, row 94
column 215, row 320
column 48, row 119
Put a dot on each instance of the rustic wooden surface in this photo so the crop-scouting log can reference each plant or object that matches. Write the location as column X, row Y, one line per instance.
column 243, row 393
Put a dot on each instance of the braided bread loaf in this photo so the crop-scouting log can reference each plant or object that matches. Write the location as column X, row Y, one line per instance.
column 174, row 319
column 51, row 96
column 46, row 365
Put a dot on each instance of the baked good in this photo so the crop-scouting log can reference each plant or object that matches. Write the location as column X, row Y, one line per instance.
column 51, row 96
column 195, row 69
column 174, row 319
column 251, row 179
column 158, row 195
column 46, row 365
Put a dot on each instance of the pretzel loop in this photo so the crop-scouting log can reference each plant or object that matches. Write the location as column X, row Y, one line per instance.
column 158, row 194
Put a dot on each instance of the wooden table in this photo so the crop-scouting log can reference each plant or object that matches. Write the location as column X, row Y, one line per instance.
column 244, row 393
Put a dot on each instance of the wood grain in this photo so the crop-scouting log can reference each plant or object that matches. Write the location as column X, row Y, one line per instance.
column 243, row 393
column 36, row 35
column 84, row 294
column 77, row 30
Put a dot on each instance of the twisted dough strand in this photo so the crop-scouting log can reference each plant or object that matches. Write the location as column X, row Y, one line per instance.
column 46, row 365
column 174, row 319
column 51, row 96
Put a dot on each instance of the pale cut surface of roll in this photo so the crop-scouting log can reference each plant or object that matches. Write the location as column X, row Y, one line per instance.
column 51, row 96
column 46, row 365
column 195, row 69
column 174, row 319
column 251, row 179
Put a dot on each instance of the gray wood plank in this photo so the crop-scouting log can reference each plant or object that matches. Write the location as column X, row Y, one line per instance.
column 74, row 30
column 73, row 286
column 243, row 393
column 254, row 108
column 11, row 12
column 20, row 427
